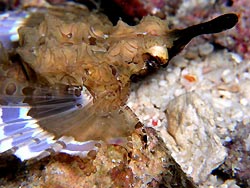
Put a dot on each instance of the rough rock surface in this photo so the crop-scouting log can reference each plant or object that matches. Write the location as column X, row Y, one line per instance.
column 191, row 124
column 219, row 78
column 143, row 162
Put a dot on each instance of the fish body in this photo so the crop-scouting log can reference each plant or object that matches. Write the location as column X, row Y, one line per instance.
column 70, row 84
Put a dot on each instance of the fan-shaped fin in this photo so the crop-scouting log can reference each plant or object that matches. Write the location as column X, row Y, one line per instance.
column 67, row 123
column 90, row 124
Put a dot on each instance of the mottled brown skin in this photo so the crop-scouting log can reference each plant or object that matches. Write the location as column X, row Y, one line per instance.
column 87, row 50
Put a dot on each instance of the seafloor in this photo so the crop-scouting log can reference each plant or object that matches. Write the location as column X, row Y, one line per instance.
column 199, row 105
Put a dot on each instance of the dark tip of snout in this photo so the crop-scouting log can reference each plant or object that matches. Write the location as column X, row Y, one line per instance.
column 216, row 25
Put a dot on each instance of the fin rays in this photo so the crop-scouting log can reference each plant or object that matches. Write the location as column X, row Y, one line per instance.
column 72, row 125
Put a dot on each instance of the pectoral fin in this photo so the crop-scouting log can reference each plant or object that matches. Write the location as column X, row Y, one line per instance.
column 43, row 124
column 107, row 127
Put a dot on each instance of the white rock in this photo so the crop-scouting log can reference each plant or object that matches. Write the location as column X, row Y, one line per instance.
column 206, row 49
column 192, row 126
column 227, row 76
column 236, row 57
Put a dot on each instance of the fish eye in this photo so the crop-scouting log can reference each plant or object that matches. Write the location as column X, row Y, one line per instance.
column 152, row 63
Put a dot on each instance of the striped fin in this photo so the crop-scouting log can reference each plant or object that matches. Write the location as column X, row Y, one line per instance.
column 70, row 123
column 21, row 134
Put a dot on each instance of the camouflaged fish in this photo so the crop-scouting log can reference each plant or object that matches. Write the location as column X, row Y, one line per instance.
column 65, row 86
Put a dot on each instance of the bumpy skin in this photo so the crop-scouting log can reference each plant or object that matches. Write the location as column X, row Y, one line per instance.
column 85, row 49
column 12, row 77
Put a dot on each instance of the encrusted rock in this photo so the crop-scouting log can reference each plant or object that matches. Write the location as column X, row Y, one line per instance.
column 193, row 136
column 143, row 162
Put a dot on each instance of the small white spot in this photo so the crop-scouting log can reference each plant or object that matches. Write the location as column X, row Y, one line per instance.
column 236, row 57
column 14, row 38
column 244, row 101
column 76, row 153
column 105, row 36
column 228, row 139
column 77, row 148
column 23, row 113
column 50, row 139
column 6, row 145
column 24, row 153
column 155, row 10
